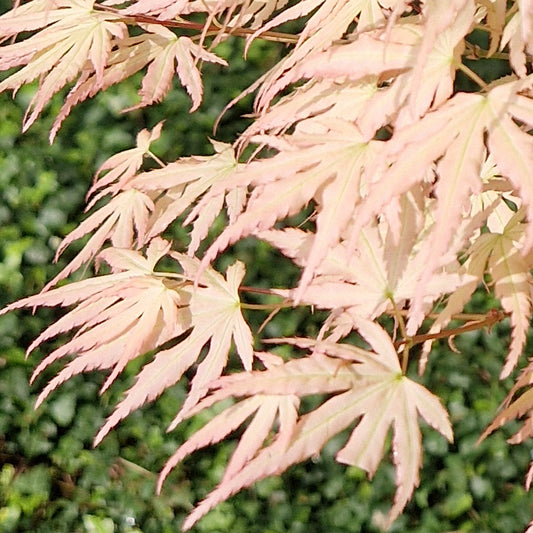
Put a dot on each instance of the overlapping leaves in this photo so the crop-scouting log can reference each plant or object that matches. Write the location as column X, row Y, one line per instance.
column 368, row 389
column 404, row 215
column 78, row 41
column 135, row 310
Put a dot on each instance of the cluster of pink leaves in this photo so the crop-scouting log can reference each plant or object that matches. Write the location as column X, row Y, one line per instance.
column 419, row 194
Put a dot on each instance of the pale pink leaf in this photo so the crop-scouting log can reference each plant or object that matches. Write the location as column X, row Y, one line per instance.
column 164, row 371
column 214, row 431
column 118, row 221
column 124, row 165
column 512, row 280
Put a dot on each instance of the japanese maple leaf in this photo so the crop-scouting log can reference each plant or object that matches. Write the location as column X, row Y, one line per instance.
column 74, row 36
column 124, row 216
column 453, row 138
column 182, row 182
column 489, row 209
column 165, row 54
column 500, row 254
column 329, row 22
column 511, row 275
column 118, row 221
column 264, row 408
column 123, row 166
column 131, row 55
column 118, row 316
column 135, row 310
column 429, row 49
column 518, row 36
column 381, row 276
column 327, row 98
column 439, row 53
column 370, row 54
column 368, row 388
column 179, row 55
column 426, row 54
column 326, row 165
column 215, row 318
column 30, row 16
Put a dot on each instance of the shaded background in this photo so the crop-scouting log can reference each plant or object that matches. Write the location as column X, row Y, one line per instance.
column 50, row 477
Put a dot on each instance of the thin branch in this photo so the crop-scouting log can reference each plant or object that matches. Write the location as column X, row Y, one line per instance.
column 493, row 317
column 473, row 51
column 212, row 29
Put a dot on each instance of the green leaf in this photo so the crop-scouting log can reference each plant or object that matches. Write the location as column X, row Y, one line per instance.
column 96, row 524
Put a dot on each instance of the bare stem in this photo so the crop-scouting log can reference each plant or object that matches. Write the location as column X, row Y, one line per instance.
column 472, row 75
column 287, row 38
column 493, row 317
column 156, row 159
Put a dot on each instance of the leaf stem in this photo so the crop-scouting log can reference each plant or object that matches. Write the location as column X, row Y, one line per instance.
column 472, row 75
column 156, row 159
column 258, row 290
column 265, row 307
column 403, row 330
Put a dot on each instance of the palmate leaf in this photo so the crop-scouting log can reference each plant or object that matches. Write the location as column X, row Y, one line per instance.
column 30, row 16
column 369, row 389
column 430, row 50
column 123, row 221
column 329, row 23
column 266, row 408
column 380, row 277
column 298, row 174
column 327, row 98
column 135, row 310
column 123, row 166
column 131, row 55
column 78, row 41
column 183, row 52
column 369, row 55
column 498, row 253
column 490, row 208
column 214, row 315
column 182, row 182
column 76, row 36
column 442, row 136
column 511, row 275
column 119, row 316
column 162, row 51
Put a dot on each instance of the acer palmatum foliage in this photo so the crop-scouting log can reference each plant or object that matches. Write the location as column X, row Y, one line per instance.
column 419, row 194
